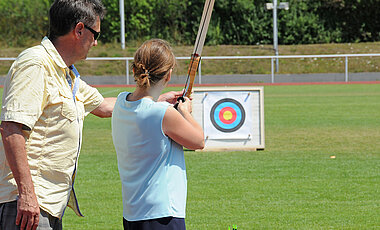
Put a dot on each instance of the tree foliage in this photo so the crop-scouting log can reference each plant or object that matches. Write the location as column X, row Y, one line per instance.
column 23, row 20
column 233, row 21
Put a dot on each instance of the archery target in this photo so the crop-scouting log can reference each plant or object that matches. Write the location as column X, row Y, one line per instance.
column 232, row 118
column 227, row 115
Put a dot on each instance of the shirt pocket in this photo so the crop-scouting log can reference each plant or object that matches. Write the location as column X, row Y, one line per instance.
column 68, row 109
column 80, row 105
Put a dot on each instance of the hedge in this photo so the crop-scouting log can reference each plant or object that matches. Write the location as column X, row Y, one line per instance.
column 236, row 22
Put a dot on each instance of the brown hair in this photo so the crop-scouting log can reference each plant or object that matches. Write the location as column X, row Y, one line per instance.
column 152, row 61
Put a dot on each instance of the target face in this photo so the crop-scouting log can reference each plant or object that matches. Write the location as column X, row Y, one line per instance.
column 227, row 115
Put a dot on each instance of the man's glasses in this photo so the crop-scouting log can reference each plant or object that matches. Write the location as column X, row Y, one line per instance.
column 96, row 34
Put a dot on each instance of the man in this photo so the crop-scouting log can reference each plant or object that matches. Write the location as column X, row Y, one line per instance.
column 43, row 108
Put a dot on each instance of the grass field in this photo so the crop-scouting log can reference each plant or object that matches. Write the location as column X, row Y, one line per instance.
column 292, row 184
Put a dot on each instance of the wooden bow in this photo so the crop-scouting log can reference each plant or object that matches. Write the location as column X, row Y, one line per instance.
column 199, row 42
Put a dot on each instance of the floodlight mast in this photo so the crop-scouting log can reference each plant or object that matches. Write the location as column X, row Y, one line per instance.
column 275, row 32
column 122, row 24
column 274, row 6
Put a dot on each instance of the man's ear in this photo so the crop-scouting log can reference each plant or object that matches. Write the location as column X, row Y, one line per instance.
column 78, row 30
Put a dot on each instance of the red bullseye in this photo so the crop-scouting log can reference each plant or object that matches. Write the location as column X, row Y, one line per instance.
column 227, row 115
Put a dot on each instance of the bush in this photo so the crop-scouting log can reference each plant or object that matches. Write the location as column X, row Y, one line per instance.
column 23, row 20
column 239, row 22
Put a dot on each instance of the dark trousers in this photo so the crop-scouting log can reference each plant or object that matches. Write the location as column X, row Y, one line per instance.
column 8, row 213
column 166, row 223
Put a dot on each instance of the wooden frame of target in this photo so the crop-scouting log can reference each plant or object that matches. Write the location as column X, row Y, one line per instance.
column 232, row 117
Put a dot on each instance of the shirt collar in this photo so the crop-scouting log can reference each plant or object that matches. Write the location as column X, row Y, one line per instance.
column 52, row 51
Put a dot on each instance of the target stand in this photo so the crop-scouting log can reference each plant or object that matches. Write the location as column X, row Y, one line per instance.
column 232, row 118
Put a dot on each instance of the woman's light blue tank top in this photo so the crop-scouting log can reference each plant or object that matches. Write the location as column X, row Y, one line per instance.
column 151, row 165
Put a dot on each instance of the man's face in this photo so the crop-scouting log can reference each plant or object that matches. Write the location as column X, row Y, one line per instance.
column 89, row 38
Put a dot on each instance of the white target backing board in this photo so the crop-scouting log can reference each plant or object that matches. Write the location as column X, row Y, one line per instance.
column 232, row 118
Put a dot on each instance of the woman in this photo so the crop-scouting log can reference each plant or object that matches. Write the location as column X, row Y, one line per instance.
column 149, row 137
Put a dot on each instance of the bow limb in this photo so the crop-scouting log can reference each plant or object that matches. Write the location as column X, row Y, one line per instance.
column 198, row 47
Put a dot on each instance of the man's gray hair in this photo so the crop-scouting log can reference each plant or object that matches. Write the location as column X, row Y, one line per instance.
column 64, row 15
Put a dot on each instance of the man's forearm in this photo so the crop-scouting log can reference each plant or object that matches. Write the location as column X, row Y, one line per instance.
column 14, row 146
column 105, row 108
column 28, row 209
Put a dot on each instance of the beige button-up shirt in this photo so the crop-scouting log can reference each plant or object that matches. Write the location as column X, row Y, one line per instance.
column 37, row 95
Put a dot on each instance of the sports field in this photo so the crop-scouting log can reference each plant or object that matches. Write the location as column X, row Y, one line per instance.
column 295, row 183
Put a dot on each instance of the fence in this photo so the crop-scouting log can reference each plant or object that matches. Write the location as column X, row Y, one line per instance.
column 273, row 58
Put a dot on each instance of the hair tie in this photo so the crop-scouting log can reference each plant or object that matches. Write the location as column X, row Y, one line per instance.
column 147, row 73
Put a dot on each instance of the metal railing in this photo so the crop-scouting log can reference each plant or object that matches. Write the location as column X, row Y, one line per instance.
column 273, row 58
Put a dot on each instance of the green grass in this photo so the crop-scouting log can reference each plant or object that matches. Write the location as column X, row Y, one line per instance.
column 211, row 67
column 292, row 184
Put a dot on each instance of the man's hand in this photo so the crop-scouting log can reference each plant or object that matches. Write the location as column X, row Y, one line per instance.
column 28, row 211
column 170, row 97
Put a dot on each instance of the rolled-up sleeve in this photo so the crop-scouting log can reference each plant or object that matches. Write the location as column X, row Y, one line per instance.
column 91, row 96
column 25, row 95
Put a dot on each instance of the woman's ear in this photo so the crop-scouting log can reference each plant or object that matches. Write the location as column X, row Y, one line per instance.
column 169, row 76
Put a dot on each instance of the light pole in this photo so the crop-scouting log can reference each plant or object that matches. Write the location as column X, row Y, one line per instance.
column 274, row 6
column 275, row 32
column 122, row 24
